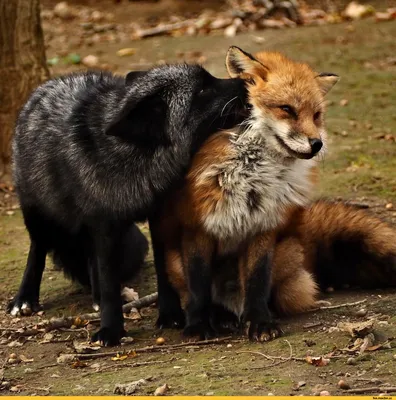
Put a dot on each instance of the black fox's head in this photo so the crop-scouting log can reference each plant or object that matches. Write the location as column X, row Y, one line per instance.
column 177, row 103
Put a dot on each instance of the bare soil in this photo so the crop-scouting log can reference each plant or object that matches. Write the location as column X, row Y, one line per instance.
column 360, row 167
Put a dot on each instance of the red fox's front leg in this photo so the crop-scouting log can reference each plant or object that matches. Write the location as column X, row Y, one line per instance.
column 197, row 258
column 256, row 267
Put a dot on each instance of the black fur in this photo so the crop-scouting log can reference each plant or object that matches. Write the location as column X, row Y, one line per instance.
column 93, row 153
column 256, row 309
column 198, row 310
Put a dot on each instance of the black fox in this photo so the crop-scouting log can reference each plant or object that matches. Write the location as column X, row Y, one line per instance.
column 94, row 152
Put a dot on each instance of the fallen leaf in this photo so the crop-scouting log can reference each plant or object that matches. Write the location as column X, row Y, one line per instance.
column 357, row 329
column 298, row 385
column 25, row 359
column 64, row 358
column 85, row 347
column 317, row 361
column 161, row 391
column 129, row 294
column 129, row 388
column 354, row 10
column 118, row 357
column 128, row 51
column 79, row 364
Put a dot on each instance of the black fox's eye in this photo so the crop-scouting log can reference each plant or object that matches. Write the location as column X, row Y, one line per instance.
column 289, row 109
column 317, row 115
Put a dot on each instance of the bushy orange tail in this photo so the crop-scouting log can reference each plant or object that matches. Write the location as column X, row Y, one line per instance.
column 345, row 245
column 330, row 245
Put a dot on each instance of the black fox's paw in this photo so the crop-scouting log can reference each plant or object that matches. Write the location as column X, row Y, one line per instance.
column 224, row 321
column 201, row 329
column 22, row 306
column 264, row 331
column 174, row 320
column 108, row 336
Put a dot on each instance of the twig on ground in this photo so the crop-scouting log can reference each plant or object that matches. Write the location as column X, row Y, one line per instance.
column 66, row 322
column 338, row 306
column 140, row 303
column 149, row 349
column 123, row 365
column 374, row 389
column 280, row 359
column 158, row 30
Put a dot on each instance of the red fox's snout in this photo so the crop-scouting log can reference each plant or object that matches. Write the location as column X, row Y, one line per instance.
column 316, row 145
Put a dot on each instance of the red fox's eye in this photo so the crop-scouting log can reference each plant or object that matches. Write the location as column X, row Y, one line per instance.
column 289, row 109
column 317, row 115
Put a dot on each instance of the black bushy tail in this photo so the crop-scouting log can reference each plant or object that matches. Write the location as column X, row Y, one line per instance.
column 73, row 253
column 347, row 246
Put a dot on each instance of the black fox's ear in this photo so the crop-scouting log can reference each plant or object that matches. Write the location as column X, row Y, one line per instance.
column 141, row 114
column 131, row 76
column 239, row 62
column 326, row 81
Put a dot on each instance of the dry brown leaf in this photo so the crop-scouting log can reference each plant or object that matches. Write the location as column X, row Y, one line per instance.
column 79, row 364
column 25, row 359
column 357, row 329
column 119, row 357
column 85, row 347
column 161, row 391
column 129, row 294
column 129, row 51
column 317, row 361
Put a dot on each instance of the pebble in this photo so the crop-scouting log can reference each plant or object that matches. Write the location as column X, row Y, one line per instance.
column 97, row 16
column 229, row 345
column 63, row 10
column 230, row 31
column 270, row 394
column 343, row 102
column 160, row 341
column 324, row 393
column 351, row 361
column 343, row 385
column 90, row 61
column 128, row 51
column 389, row 206
column 361, row 313
column 13, row 356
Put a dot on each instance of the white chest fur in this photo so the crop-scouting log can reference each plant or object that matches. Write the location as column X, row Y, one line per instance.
column 257, row 187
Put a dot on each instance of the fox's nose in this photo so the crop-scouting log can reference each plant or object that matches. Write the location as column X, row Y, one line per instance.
column 316, row 145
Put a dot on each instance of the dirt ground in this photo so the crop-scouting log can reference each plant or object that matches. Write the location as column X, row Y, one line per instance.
column 361, row 167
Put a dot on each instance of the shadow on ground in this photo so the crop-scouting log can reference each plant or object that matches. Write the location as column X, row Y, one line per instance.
column 361, row 165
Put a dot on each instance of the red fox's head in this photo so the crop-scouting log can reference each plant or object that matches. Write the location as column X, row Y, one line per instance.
column 287, row 101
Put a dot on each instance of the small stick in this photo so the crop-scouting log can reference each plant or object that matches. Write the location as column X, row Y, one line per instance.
column 65, row 322
column 158, row 30
column 338, row 306
column 123, row 365
column 380, row 389
column 148, row 349
column 273, row 358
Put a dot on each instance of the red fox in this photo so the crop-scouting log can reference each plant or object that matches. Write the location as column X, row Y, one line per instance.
column 228, row 234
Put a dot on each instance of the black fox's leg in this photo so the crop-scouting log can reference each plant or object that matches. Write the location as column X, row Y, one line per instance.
column 26, row 300
column 171, row 314
column 108, row 253
column 197, row 256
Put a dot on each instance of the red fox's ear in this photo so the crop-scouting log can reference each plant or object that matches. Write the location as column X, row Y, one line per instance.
column 239, row 62
column 326, row 81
